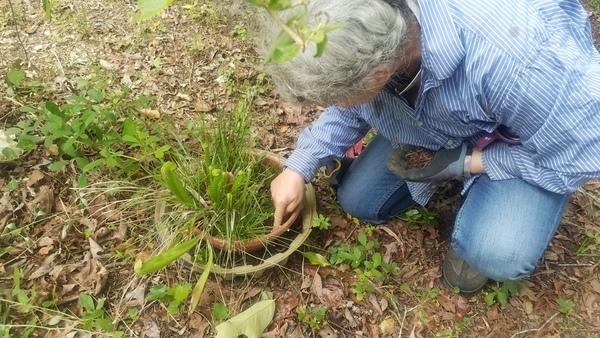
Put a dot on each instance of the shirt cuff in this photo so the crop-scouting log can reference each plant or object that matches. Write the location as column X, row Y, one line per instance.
column 500, row 161
column 304, row 163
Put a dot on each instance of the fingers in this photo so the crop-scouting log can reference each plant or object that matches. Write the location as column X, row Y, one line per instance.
column 292, row 210
column 292, row 217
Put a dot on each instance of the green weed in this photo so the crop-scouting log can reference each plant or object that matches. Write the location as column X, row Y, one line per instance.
column 419, row 216
column 313, row 317
column 501, row 293
column 322, row 222
column 172, row 297
column 366, row 261
column 590, row 245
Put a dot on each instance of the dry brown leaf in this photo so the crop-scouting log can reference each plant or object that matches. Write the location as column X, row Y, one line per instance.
column 72, row 280
column 34, row 177
column 317, row 286
column 352, row 322
column 44, row 200
column 95, row 249
column 260, row 102
column 595, row 283
column 283, row 129
column 151, row 113
column 203, row 106
column 52, row 150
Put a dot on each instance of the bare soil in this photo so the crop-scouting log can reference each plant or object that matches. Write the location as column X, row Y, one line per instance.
column 68, row 245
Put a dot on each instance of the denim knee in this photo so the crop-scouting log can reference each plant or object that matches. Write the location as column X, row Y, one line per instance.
column 351, row 203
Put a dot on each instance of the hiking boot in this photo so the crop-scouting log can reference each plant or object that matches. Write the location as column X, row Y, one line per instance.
column 336, row 169
column 458, row 274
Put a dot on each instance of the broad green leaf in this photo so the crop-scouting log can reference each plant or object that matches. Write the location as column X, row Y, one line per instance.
column 15, row 76
column 285, row 53
column 82, row 181
column 56, row 166
column 502, row 298
column 149, row 8
column 86, row 302
column 94, row 164
column 180, row 291
column 251, row 322
column 489, row 298
column 316, row 259
column 220, row 311
column 95, row 95
column 174, row 184
column 157, row 292
column 199, row 287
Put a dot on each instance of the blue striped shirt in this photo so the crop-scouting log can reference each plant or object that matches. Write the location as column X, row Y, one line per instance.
column 528, row 64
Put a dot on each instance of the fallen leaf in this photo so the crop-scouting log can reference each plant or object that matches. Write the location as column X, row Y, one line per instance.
column 34, row 177
column 184, row 97
column 528, row 307
column 595, row 285
column 283, row 129
column 95, row 249
column 251, row 322
column 151, row 113
column 387, row 326
column 203, row 106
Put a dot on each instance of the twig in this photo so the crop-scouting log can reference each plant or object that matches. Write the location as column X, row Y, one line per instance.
column 12, row 11
column 538, row 329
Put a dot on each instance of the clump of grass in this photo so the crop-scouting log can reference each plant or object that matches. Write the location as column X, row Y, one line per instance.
column 226, row 183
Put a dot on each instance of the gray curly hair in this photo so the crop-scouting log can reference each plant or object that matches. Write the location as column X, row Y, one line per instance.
column 375, row 34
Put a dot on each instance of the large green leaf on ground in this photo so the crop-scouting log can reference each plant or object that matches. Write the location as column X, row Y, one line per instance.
column 251, row 322
column 149, row 8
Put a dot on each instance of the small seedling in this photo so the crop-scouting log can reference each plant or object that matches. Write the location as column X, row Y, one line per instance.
column 590, row 245
column 94, row 316
column 313, row 317
column 500, row 293
column 173, row 297
column 366, row 261
column 322, row 222
column 419, row 216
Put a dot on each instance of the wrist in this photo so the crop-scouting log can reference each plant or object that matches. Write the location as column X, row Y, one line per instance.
column 476, row 163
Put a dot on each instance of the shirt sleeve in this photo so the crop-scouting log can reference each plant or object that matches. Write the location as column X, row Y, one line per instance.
column 332, row 134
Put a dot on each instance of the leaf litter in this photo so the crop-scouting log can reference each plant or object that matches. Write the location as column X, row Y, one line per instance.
column 60, row 260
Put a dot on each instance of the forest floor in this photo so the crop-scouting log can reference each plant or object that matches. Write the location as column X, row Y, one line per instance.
column 191, row 60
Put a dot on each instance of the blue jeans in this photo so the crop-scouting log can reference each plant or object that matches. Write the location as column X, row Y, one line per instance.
column 501, row 230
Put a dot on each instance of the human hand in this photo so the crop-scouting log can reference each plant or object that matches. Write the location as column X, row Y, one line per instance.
column 445, row 164
column 287, row 191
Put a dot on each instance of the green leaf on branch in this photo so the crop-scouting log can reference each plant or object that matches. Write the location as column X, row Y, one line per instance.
column 149, row 8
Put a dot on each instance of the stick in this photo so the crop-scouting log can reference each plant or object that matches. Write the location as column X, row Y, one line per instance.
column 538, row 329
column 12, row 11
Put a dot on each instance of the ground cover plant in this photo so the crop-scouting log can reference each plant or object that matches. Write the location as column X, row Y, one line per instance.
column 95, row 103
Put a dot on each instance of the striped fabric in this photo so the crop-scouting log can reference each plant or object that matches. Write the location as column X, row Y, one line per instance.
column 527, row 64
